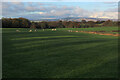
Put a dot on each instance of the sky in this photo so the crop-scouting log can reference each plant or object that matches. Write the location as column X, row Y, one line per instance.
column 59, row 9
column 60, row 0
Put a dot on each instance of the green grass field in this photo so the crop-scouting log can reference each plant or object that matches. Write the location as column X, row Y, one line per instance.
column 59, row 54
column 93, row 29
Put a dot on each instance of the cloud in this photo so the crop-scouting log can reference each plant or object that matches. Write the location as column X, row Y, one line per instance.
column 12, row 0
column 60, row 13
column 18, row 8
column 110, row 15
column 46, row 10
column 60, row 0
column 17, row 3
column 110, row 3
column 12, row 9
column 112, row 10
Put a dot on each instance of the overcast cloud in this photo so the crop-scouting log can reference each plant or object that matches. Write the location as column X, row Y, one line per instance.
column 37, row 10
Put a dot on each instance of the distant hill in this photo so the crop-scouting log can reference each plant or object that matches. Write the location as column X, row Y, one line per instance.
column 78, row 19
column 85, row 18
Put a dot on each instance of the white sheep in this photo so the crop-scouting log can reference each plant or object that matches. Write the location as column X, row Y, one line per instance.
column 30, row 30
column 35, row 30
column 17, row 31
column 53, row 29
column 76, row 31
column 68, row 30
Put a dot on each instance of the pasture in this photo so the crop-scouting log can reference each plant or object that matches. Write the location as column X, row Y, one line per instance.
column 59, row 54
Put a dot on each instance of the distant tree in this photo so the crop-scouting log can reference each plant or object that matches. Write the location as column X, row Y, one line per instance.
column 66, row 24
column 15, row 23
column 91, row 24
column 6, row 22
column 108, row 23
column 83, row 21
column 118, row 23
column 24, row 23
column 60, row 25
column 44, row 25
column 33, row 25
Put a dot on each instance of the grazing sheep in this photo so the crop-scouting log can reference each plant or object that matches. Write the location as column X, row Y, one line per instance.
column 17, row 31
column 69, row 30
column 30, row 30
column 35, row 30
column 43, row 30
column 76, row 31
column 53, row 29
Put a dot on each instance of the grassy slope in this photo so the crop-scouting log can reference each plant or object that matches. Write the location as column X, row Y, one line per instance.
column 58, row 55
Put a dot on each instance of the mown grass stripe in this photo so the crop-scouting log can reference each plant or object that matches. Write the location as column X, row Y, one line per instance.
column 42, row 37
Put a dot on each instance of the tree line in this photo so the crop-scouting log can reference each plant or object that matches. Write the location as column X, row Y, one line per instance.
column 25, row 23
column 15, row 23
